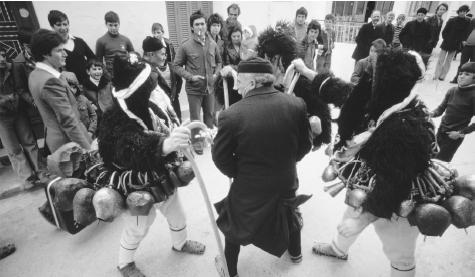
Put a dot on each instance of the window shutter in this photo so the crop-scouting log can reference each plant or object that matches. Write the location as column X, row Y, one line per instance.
column 178, row 18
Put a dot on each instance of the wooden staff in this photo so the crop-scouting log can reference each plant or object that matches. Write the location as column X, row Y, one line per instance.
column 204, row 192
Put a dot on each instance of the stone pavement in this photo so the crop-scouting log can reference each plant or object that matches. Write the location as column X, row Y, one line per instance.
column 45, row 251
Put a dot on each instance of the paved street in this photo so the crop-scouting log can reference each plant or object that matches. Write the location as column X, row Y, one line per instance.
column 45, row 251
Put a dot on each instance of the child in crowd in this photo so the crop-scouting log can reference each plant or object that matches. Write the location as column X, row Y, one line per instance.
column 87, row 111
column 98, row 88
column 158, row 32
column 328, row 37
column 112, row 43
column 396, row 43
column 459, row 108
column 309, row 45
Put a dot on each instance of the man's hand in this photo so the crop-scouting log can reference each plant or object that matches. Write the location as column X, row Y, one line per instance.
column 226, row 71
column 179, row 138
column 455, row 135
column 299, row 65
column 196, row 78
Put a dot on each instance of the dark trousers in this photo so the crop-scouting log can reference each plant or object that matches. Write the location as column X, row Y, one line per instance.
column 231, row 251
column 205, row 101
column 468, row 54
column 176, row 107
column 447, row 146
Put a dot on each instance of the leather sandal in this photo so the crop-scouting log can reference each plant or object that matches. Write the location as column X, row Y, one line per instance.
column 192, row 247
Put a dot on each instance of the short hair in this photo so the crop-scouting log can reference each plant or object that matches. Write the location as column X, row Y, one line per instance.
column 375, row 11
column 463, row 8
column 403, row 16
column 232, row 29
column 196, row 15
column 442, row 4
column 94, row 62
column 390, row 13
column 265, row 79
column 421, row 10
column 234, row 6
column 42, row 42
column 111, row 17
column 301, row 11
column 379, row 44
column 330, row 17
column 55, row 16
column 157, row 26
column 314, row 25
column 215, row 19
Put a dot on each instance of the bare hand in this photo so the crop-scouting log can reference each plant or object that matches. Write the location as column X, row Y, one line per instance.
column 352, row 226
column 299, row 65
column 455, row 135
column 179, row 138
column 226, row 71
column 196, row 78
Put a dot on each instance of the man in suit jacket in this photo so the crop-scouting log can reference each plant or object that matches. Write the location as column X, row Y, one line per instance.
column 367, row 34
column 52, row 95
column 259, row 141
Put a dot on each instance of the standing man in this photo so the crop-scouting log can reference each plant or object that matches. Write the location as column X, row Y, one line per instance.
column 200, row 56
column 328, row 35
column 367, row 34
column 388, row 28
column 455, row 36
column 233, row 13
column 300, row 26
column 261, row 206
column 436, row 23
column 52, row 95
column 416, row 35
column 76, row 48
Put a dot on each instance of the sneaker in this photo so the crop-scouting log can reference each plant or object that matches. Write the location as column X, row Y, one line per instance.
column 130, row 270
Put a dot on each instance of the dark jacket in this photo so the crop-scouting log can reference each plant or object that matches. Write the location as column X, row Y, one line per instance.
column 367, row 34
column 259, row 141
column 76, row 61
column 170, row 50
column 456, row 30
column 100, row 95
column 21, row 69
column 388, row 31
column 176, row 81
column 8, row 97
column 416, row 36
column 435, row 28
column 198, row 60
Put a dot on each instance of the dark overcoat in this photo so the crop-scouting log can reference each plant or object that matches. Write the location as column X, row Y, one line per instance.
column 259, row 141
column 367, row 34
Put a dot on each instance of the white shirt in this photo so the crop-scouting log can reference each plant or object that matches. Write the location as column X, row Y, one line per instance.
column 49, row 69
column 69, row 45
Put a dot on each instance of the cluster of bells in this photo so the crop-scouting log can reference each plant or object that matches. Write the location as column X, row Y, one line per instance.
column 439, row 197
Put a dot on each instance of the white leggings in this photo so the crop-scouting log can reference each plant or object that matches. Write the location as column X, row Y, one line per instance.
column 396, row 235
column 136, row 227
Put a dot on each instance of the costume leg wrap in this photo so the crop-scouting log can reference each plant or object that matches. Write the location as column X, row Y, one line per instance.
column 340, row 244
column 175, row 215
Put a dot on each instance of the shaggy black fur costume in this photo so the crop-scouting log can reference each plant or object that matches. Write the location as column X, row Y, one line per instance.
column 401, row 146
column 278, row 43
column 122, row 141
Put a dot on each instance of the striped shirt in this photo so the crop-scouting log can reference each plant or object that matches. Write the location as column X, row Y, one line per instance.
column 397, row 31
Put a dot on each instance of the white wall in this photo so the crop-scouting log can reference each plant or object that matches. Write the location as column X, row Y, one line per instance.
column 87, row 18
column 265, row 13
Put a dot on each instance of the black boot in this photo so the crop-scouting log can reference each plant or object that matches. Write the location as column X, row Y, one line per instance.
column 6, row 249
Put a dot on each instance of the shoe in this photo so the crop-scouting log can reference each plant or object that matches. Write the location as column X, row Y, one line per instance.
column 7, row 249
column 45, row 211
column 30, row 182
column 296, row 259
column 441, row 79
column 325, row 249
column 130, row 270
column 192, row 247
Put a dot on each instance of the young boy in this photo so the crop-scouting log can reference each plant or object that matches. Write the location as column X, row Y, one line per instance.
column 459, row 108
column 112, row 43
column 309, row 45
column 87, row 112
column 396, row 43
column 98, row 88
column 328, row 37
column 158, row 32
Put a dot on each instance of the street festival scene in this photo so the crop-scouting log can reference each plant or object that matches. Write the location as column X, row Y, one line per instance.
column 218, row 138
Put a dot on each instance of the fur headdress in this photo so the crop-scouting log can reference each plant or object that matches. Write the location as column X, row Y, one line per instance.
column 279, row 42
column 132, row 85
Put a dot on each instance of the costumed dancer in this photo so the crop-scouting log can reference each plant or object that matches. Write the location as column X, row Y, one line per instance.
column 132, row 140
column 261, row 206
column 401, row 143
column 280, row 48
